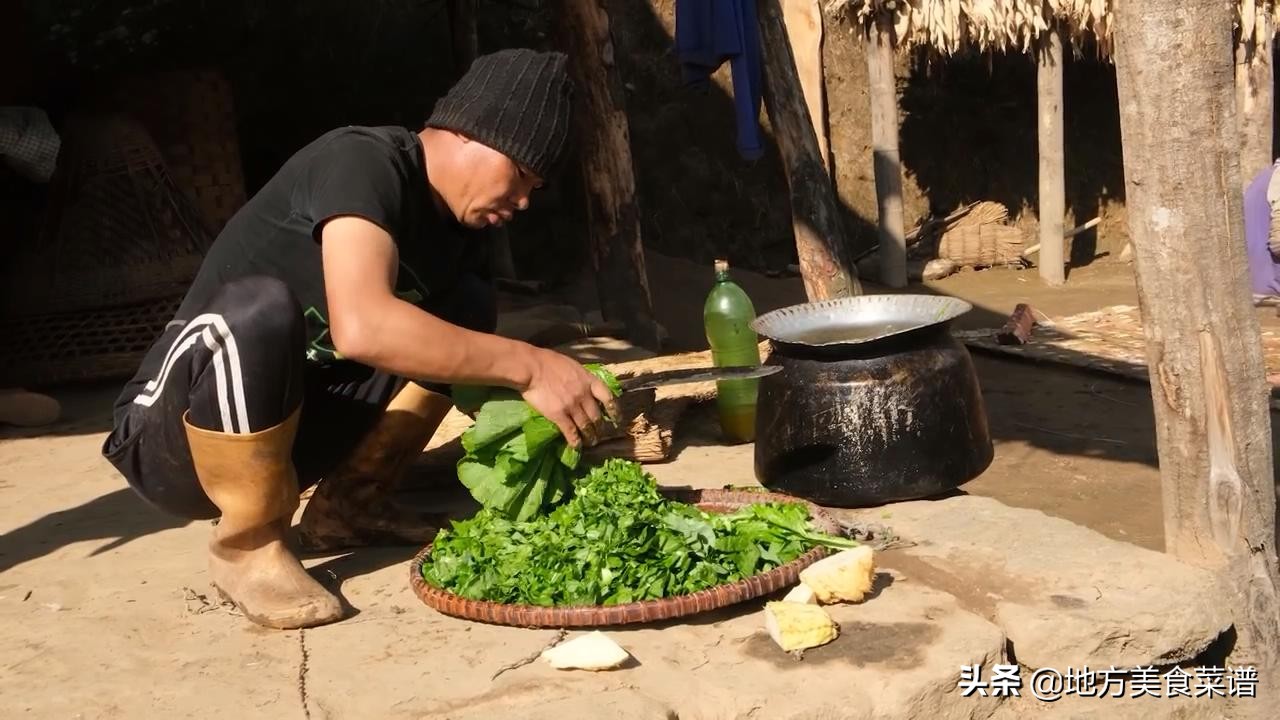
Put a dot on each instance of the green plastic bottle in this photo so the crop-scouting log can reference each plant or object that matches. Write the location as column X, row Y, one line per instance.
column 727, row 317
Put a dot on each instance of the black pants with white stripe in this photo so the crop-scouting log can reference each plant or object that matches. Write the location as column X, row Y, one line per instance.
column 238, row 366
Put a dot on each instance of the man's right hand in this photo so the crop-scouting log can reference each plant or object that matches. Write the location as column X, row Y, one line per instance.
column 569, row 396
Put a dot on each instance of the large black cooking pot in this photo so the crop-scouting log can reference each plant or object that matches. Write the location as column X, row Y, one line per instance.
column 876, row 402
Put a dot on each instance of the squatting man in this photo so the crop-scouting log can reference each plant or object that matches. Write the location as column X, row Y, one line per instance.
column 317, row 344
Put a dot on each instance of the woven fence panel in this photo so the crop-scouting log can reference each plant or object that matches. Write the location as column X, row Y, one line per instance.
column 81, row 346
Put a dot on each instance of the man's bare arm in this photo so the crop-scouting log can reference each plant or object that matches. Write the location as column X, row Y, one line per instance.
column 370, row 325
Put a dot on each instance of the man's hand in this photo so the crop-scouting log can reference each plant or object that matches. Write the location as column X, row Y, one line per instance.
column 569, row 396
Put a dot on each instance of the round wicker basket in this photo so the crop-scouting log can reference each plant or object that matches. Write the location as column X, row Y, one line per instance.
column 717, row 501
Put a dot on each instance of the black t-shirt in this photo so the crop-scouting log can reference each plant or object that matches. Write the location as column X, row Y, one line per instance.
column 377, row 173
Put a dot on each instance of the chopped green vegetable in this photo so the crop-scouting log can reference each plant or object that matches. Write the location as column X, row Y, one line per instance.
column 617, row 540
column 517, row 464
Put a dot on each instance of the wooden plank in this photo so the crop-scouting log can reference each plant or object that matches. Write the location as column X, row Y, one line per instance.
column 1180, row 132
column 613, row 210
column 825, row 261
column 884, row 150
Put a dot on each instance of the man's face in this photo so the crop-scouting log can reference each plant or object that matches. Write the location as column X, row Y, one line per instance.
column 495, row 189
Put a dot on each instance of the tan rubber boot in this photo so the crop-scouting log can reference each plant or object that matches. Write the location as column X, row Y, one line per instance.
column 352, row 506
column 27, row 409
column 252, row 481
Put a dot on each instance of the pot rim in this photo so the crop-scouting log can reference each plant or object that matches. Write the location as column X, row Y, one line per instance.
column 913, row 311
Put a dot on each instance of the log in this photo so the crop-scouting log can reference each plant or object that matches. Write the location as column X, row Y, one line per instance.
column 825, row 261
column 1018, row 328
column 613, row 210
column 803, row 19
column 1053, row 194
column 884, row 150
column 1182, row 176
column 1255, row 98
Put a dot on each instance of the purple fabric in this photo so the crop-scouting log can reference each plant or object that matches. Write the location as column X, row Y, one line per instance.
column 1264, row 271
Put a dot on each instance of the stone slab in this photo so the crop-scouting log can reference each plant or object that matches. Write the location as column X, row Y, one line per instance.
column 1065, row 595
column 898, row 657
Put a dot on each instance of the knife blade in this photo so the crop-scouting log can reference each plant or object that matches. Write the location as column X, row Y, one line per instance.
column 646, row 381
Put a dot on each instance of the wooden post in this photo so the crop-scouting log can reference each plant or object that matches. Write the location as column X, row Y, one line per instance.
column 613, row 211
column 1053, row 193
column 1254, row 93
column 1182, row 177
column 884, row 149
column 803, row 19
column 825, row 261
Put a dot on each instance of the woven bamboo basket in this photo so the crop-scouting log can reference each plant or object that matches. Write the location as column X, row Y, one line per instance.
column 106, row 344
column 118, row 230
column 981, row 239
column 719, row 501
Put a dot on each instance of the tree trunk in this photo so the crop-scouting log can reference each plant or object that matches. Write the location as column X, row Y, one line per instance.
column 884, row 148
column 613, row 211
column 1053, row 200
column 825, row 261
column 803, row 19
column 1182, row 177
column 1255, row 98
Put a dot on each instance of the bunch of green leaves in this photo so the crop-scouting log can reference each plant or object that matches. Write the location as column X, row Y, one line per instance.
column 617, row 540
column 517, row 464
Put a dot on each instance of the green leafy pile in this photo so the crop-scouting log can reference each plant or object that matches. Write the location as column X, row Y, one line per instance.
column 517, row 464
column 617, row 540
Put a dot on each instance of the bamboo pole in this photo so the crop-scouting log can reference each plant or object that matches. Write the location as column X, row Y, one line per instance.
column 884, row 149
column 1053, row 199
column 825, row 261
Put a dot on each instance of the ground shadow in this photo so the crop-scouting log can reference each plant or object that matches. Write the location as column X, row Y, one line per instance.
column 119, row 517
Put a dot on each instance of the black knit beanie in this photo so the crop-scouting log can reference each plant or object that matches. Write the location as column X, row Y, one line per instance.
column 517, row 102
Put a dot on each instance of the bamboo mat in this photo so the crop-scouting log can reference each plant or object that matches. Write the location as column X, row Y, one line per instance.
column 1109, row 340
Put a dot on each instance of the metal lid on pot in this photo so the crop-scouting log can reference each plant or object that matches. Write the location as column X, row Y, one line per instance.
column 856, row 320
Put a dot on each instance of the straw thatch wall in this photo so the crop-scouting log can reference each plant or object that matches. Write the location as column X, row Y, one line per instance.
column 951, row 26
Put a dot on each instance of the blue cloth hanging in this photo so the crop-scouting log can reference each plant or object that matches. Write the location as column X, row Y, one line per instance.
column 711, row 32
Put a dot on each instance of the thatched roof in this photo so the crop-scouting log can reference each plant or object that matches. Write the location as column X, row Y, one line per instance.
column 950, row 26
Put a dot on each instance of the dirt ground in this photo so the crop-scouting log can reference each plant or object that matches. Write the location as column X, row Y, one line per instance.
column 103, row 601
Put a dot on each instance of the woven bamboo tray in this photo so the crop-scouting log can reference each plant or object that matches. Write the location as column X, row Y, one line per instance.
column 715, row 501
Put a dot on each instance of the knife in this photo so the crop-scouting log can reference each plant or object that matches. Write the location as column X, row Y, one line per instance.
column 645, row 381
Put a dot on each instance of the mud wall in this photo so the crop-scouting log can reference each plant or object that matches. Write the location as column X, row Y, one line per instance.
column 968, row 132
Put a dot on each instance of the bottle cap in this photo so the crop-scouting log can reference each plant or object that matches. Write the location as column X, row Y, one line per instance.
column 721, row 265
